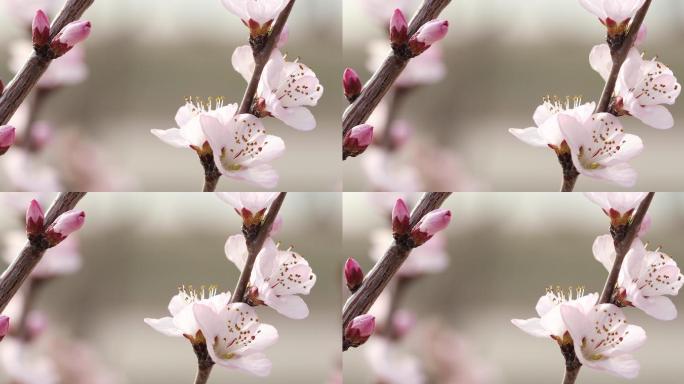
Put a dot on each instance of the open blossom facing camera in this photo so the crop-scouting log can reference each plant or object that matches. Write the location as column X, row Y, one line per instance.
column 242, row 149
column 600, row 149
column 278, row 277
column 236, row 337
column 258, row 15
column 182, row 321
column 643, row 87
column 285, row 90
column 646, row 278
column 603, row 340
column 550, row 323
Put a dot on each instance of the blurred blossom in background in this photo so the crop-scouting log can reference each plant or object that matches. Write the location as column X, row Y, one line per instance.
column 140, row 63
column 500, row 58
column 503, row 251
column 134, row 252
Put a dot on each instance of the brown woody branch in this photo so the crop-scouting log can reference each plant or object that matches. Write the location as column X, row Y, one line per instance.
column 619, row 55
column 377, row 279
column 20, row 269
column 255, row 238
column 378, row 85
column 27, row 77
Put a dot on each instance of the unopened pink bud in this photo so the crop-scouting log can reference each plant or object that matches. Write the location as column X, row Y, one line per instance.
column 4, row 326
column 430, row 224
column 35, row 218
column 400, row 218
column 357, row 140
column 353, row 274
column 641, row 35
column 40, row 29
column 352, row 84
column 72, row 34
column 359, row 330
column 398, row 28
column 430, row 33
column 7, row 136
column 66, row 224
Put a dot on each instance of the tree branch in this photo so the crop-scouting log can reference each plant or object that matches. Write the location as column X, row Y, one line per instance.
column 204, row 362
column 619, row 55
column 622, row 246
column 261, row 58
column 15, row 275
column 378, row 85
column 377, row 279
column 255, row 241
column 33, row 69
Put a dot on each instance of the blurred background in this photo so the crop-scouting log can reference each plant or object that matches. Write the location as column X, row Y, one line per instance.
column 145, row 58
column 501, row 58
column 138, row 248
column 504, row 250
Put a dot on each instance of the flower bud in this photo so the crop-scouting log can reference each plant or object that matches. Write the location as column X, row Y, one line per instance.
column 357, row 140
column 352, row 84
column 430, row 224
column 35, row 218
column 40, row 29
column 4, row 326
column 400, row 218
column 72, row 34
column 66, row 224
column 398, row 28
column 353, row 274
column 359, row 330
column 7, row 137
column 430, row 33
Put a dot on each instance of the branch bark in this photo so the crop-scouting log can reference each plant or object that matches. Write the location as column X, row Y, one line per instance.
column 622, row 245
column 381, row 81
column 33, row 69
column 255, row 241
column 261, row 58
column 377, row 279
column 15, row 275
column 204, row 363
column 619, row 55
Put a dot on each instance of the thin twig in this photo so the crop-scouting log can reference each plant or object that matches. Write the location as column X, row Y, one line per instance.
column 261, row 58
column 378, row 85
column 204, row 363
column 622, row 246
column 37, row 64
column 15, row 275
column 619, row 55
column 255, row 241
column 377, row 279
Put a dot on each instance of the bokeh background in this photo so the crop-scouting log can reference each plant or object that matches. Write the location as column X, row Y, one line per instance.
column 146, row 57
column 138, row 248
column 505, row 249
column 502, row 57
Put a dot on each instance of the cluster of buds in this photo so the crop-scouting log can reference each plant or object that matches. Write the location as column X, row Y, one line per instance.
column 423, row 231
column 356, row 140
column 65, row 224
column 358, row 331
column 72, row 34
column 411, row 46
column 7, row 136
